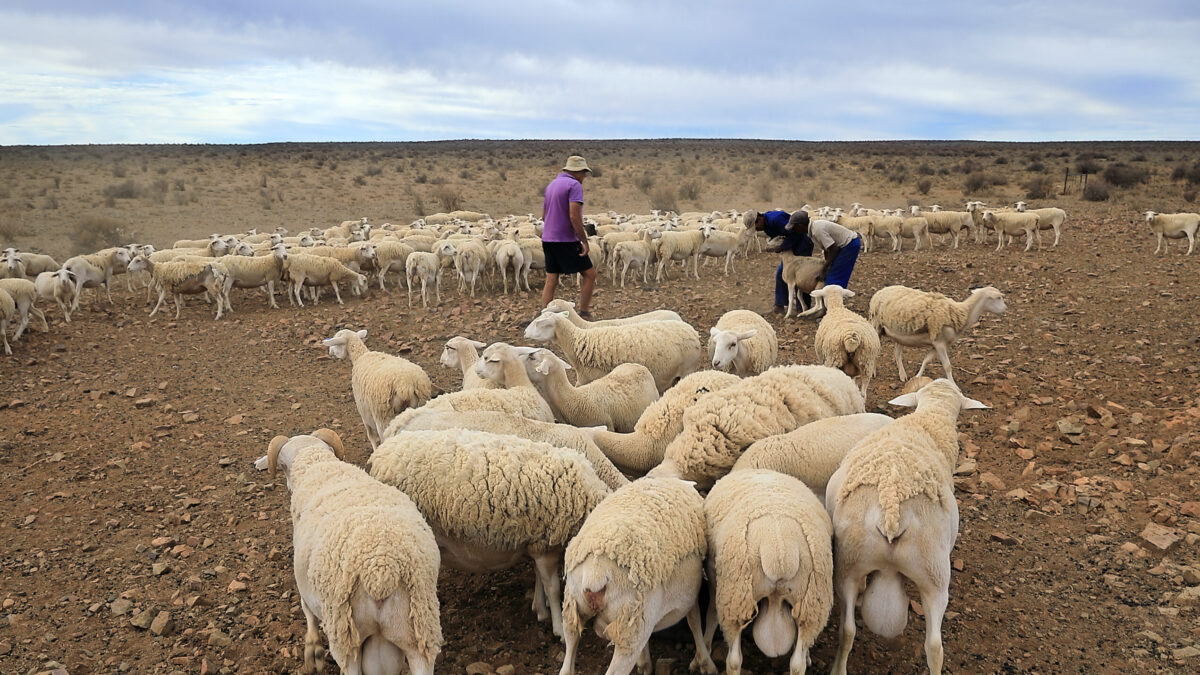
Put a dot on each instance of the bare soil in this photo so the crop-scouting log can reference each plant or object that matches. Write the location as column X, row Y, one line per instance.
column 128, row 442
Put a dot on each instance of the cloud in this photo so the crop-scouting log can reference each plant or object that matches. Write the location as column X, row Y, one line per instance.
column 146, row 71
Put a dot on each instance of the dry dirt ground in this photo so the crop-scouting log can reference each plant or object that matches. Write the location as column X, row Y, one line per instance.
column 127, row 446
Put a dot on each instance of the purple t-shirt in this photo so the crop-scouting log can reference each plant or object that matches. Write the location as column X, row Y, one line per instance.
column 561, row 191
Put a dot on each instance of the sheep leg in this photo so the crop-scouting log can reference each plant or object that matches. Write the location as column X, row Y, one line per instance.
column 24, row 312
column 1191, row 242
column 695, row 265
column 799, row 661
column 702, row 662
column 546, row 565
column 1057, row 232
column 336, row 293
column 162, row 295
column 733, row 660
column 935, row 596
column 943, row 353
column 791, row 300
column 900, row 362
column 571, row 634
column 437, row 287
column 849, row 592
column 313, row 663
column 66, row 309
column 408, row 281
column 924, row 362
column 4, row 334
column 1029, row 240
column 179, row 304
column 270, row 295
column 540, row 607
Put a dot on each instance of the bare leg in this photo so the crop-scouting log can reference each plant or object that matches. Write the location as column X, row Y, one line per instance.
column 924, row 362
column 549, row 288
column 944, row 354
column 900, row 363
column 312, row 642
column 702, row 662
column 586, row 289
column 799, row 662
column 547, row 569
column 849, row 593
column 733, row 660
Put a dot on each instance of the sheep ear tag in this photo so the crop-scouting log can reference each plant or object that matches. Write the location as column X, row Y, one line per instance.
column 907, row 400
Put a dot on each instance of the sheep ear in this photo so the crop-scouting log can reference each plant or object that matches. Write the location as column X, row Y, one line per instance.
column 972, row 404
column 543, row 367
column 329, row 342
column 906, row 400
column 477, row 344
column 566, row 366
column 362, row 334
column 847, row 293
column 747, row 334
column 819, row 293
column 712, row 332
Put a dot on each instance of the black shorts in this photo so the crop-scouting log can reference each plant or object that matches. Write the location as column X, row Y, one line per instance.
column 562, row 257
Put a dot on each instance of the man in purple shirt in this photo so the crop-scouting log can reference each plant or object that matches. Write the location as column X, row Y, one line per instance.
column 564, row 240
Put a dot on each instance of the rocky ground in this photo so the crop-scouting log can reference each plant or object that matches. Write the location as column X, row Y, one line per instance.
column 138, row 536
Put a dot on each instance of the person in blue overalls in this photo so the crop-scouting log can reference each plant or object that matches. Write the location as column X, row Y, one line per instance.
column 840, row 246
column 775, row 225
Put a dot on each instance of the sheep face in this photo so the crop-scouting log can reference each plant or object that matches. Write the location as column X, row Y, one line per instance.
column 993, row 299
column 139, row 263
column 544, row 327
column 491, row 364
column 338, row 343
column 544, row 362
column 726, row 344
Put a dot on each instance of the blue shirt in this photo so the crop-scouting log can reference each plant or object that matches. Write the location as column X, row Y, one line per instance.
column 775, row 225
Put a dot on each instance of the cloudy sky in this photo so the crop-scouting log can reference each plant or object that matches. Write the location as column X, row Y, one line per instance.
column 238, row 71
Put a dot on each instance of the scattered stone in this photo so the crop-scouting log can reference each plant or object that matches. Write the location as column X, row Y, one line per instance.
column 121, row 606
column 966, row 468
column 219, row 639
column 236, row 419
column 506, row 669
column 1188, row 596
column 1151, row 636
column 992, row 480
column 480, row 668
column 1191, row 575
column 225, row 461
column 159, row 542
column 162, row 624
column 1068, row 426
column 1006, row 539
column 1161, row 537
column 236, row 586
column 160, row 568
column 1185, row 653
column 142, row 620
column 145, row 402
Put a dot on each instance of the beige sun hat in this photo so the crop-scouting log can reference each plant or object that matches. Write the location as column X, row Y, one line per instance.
column 576, row 163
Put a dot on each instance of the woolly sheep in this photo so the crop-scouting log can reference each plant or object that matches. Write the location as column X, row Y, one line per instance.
column 913, row 318
column 13, row 267
column 914, row 228
column 721, row 244
column 390, row 256
column 845, row 340
column 34, row 263
column 1173, row 226
column 800, row 274
column 614, row 401
column 24, row 294
column 890, row 226
column 742, row 341
column 366, row 562
column 95, row 270
column 812, row 452
column 670, row 349
column 253, row 272
column 768, row 544
column 558, row 435
column 678, row 246
column 633, row 589
column 462, row 353
column 503, row 364
column 494, row 499
column 721, row 425
column 182, row 278
column 384, row 385
column 1049, row 218
column 894, row 513
column 561, row 305
column 314, row 270
column 638, row 252
column 945, row 222
column 58, row 286
column 470, row 257
column 8, row 310
column 1012, row 223
column 509, row 257
column 642, row 450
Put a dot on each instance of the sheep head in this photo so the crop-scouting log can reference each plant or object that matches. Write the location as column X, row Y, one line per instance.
column 339, row 344
column 941, row 389
column 545, row 326
column 726, row 345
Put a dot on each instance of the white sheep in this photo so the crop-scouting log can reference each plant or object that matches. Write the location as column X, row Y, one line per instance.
column 561, row 305
column 721, row 244
column 1166, row 226
column 614, row 401
column 470, row 258
column 182, row 278
column 631, row 588
column 509, row 257
column 8, row 311
column 913, row 318
column 945, row 222
column 894, row 513
column 462, row 353
column 315, row 271
column 742, row 342
column 1011, row 223
column 12, row 266
column 683, row 246
column 366, row 562
column 384, row 385
column 494, row 499
column 34, row 263
column 1049, row 218
column 812, row 452
column 24, row 294
column 94, row 270
column 800, row 274
column 770, row 562
column 390, row 256
column 889, row 225
column 58, row 286
column 914, row 228
column 718, row 427
column 253, row 272
column 670, row 349
column 845, row 340
column 642, row 450
column 638, row 252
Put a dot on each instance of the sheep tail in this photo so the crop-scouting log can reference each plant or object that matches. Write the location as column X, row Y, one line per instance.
column 778, row 554
column 885, row 605
column 399, row 403
column 851, row 342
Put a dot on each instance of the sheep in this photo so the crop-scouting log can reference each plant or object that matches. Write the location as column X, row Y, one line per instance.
column 183, row 278
column 253, row 272
column 95, row 270
column 891, row 226
column 1049, row 218
column 558, row 435
column 470, row 257
column 914, row 228
column 894, row 513
column 534, row 255
column 494, row 499
column 356, row 257
column 945, row 222
column 314, row 270
column 670, row 349
column 642, row 450
column 24, row 294
column 427, row 267
column 845, row 340
column 638, row 252
column 1173, row 226
column 1010, row 223
column 632, row 588
column 742, row 341
column 614, row 401
column 800, row 273
column 678, row 246
column 812, row 452
column 13, row 267
column 561, row 305
column 34, row 263
column 509, row 256
column 366, row 562
column 913, row 318
column 721, row 425
column 384, row 385
column 768, row 544
column 58, row 286
column 721, row 244
column 462, row 353
column 390, row 256
column 8, row 310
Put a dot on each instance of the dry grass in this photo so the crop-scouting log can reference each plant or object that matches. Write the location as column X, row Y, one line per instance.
column 171, row 192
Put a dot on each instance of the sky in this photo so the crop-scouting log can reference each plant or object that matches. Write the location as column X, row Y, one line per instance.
column 264, row 71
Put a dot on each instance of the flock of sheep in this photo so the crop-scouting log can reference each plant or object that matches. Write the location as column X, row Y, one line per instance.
column 523, row 462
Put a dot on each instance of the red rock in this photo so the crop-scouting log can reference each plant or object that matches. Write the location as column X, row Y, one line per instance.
column 1162, row 538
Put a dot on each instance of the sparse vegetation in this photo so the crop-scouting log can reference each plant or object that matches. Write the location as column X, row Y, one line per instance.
column 664, row 200
column 449, row 198
column 96, row 232
column 1124, row 176
column 1096, row 191
column 1039, row 187
column 924, row 185
column 690, row 190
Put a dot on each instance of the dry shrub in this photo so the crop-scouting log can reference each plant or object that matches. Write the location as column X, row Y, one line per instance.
column 980, row 180
column 96, row 232
column 374, row 170
column 690, row 190
column 1096, row 191
column 663, row 200
column 596, row 171
column 1124, row 176
column 448, row 197
column 924, row 185
column 10, row 230
column 925, row 170
column 128, row 189
column 1040, row 187
column 1189, row 195
column 1087, row 163
column 418, row 202
column 766, row 190
column 644, row 182
column 1035, row 167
